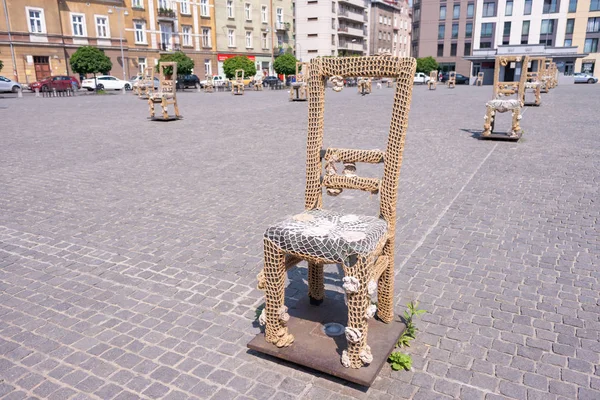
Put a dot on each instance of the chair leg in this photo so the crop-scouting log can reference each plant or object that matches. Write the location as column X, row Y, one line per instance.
column 151, row 104
column 176, row 108
column 316, row 287
column 385, row 293
column 276, row 317
column 358, row 353
column 165, row 108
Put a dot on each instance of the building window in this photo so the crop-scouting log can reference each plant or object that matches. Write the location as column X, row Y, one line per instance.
column 467, row 48
column 507, row 26
column 229, row 8
column 416, row 14
column 263, row 14
column 469, row 30
column 442, row 12
column 485, row 45
column 380, row 35
column 265, row 44
column 248, row 11
column 487, row 29
column 142, row 64
column 279, row 16
column 453, row 49
column 593, row 25
column 137, row 4
column 527, row 7
column 525, row 29
column 595, row 5
column 508, row 9
column 186, row 35
column 590, row 46
column 456, row 11
column 102, row 29
column 489, row 9
column 441, row 29
column 139, row 28
column 572, row 5
column 547, row 27
column 440, row 50
column 78, row 24
column 333, row 6
column 454, row 31
column 204, row 8
column 248, row 39
column 231, row 38
column 470, row 10
column 206, row 37
column 185, row 6
column 550, row 6
column 570, row 25
column 207, row 67
column 568, row 42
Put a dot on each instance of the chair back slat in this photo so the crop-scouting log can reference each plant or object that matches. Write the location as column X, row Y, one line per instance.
column 165, row 84
column 352, row 182
column 353, row 155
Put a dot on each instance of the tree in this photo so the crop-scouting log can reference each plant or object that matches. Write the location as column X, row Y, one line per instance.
column 426, row 64
column 239, row 62
column 185, row 65
column 285, row 64
column 90, row 60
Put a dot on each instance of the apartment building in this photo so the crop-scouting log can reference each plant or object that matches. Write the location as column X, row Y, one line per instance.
column 568, row 31
column 444, row 29
column 389, row 27
column 330, row 28
column 258, row 29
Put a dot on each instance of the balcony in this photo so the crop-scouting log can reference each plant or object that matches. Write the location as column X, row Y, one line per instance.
column 166, row 14
column 351, row 46
column 346, row 30
column 352, row 16
column 282, row 26
column 356, row 3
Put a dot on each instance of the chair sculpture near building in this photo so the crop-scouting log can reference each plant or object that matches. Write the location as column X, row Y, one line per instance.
column 553, row 74
column 258, row 84
column 451, row 80
column 299, row 89
column 501, row 104
column 432, row 82
column 209, row 87
column 545, row 77
column 362, row 245
column 166, row 93
column 146, row 84
column 533, row 83
column 364, row 85
column 237, row 86
column 479, row 80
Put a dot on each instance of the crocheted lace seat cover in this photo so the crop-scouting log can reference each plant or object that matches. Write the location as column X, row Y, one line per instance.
column 328, row 235
column 298, row 84
column 160, row 96
column 532, row 85
column 503, row 105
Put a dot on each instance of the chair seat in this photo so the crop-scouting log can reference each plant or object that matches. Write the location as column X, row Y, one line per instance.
column 532, row 85
column 160, row 96
column 503, row 105
column 328, row 235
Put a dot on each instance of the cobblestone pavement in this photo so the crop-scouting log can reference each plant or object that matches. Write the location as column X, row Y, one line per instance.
column 129, row 249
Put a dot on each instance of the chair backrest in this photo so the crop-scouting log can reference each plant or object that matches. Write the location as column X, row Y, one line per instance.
column 302, row 71
column 452, row 75
column 535, row 68
column 335, row 70
column 433, row 75
column 167, row 74
column 480, row 75
column 239, row 75
column 508, row 88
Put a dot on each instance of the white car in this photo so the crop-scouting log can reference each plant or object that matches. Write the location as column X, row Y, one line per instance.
column 6, row 85
column 421, row 78
column 106, row 82
column 217, row 81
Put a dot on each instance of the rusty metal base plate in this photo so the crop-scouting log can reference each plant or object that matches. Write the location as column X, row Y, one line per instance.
column 313, row 349
column 170, row 118
column 502, row 136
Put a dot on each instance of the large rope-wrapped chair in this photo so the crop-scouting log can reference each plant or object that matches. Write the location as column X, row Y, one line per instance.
column 533, row 83
column 364, row 85
column 299, row 89
column 136, row 86
column 363, row 245
column 553, row 75
column 451, row 80
column 209, row 87
column 545, row 77
column 145, row 86
column 237, row 86
column 166, row 93
column 500, row 103
column 479, row 80
column 432, row 82
column 258, row 84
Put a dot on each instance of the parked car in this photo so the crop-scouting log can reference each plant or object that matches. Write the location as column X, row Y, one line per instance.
column 6, row 85
column 582, row 77
column 217, row 81
column 184, row 81
column 271, row 80
column 136, row 80
column 60, row 83
column 460, row 79
column 106, row 82
column 421, row 78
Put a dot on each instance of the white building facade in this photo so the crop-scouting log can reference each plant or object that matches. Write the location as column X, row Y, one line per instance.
column 389, row 27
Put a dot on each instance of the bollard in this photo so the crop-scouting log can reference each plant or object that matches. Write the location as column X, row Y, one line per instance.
column 198, row 88
column 37, row 92
column 53, row 92
column 20, row 93
column 123, row 90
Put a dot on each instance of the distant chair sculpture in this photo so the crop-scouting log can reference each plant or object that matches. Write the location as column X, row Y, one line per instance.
column 479, row 81
column 535, row 70
column 432, row 82
column 166, row 93
column 364, row 85
column 545, row 77
column 451, row 80
column 145, row 85
column 553, row 74
column 237, row 86
column 363, row 245
column 499, row 102
column 299, row 89
column 258, row 84
column 209, row 87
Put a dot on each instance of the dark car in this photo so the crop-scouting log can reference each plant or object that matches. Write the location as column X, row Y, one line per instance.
column 460, row 79
column 60, row 83
column 185, row 81
column 271, row 80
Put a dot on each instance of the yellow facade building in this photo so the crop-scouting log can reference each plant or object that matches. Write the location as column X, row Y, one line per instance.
column 37, row 37
column 586, row 34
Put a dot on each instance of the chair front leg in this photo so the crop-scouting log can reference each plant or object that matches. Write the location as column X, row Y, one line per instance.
column 385, row 290
column 358, row 352
column 151, row 106
column 276, row 331
column 316, row 287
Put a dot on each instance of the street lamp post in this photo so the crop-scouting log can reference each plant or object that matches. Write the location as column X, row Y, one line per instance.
column 122, row 14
